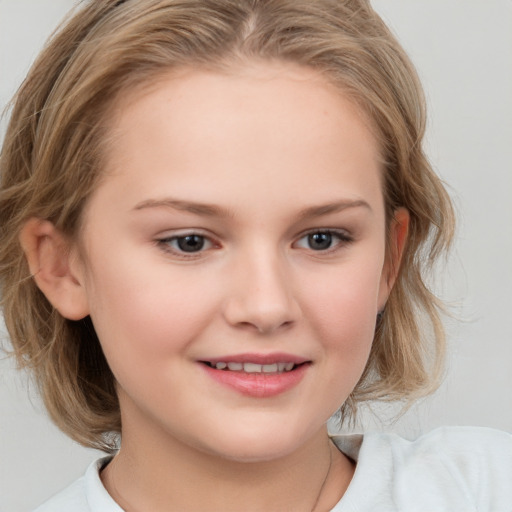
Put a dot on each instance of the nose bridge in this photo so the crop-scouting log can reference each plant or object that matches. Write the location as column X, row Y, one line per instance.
column 261, row 295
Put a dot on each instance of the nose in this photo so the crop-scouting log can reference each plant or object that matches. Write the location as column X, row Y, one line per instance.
column 261, row 295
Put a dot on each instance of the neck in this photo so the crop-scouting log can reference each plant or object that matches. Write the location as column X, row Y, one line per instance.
column 159, row 473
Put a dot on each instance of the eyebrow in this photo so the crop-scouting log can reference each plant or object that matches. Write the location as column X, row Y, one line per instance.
column 211, row 210
column 335, row 207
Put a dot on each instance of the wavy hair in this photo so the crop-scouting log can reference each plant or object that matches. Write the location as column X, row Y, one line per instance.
column 51, row 160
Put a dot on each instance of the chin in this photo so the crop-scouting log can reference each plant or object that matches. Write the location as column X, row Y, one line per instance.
column 253, row 454
column 256, row 445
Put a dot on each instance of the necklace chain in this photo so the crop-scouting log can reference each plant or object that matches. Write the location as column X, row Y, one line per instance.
column 123, row 503
column 325, row 479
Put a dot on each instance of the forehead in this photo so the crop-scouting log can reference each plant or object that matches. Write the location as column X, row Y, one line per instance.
column 234, row 128
column 188, row 95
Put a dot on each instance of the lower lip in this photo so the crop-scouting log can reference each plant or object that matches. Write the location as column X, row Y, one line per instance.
column 259, row 385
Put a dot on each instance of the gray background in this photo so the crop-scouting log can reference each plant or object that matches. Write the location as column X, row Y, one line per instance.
column 463, row 51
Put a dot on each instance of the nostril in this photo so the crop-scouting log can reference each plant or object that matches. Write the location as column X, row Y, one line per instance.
column 271, row 327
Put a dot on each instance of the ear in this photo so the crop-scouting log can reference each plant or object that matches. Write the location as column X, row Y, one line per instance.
column 55, row 268
column 398, row 230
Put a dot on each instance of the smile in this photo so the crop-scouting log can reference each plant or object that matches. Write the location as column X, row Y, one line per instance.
column 250, row 367
column 257, row 376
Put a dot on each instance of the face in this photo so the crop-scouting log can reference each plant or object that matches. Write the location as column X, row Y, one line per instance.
column 234, row 257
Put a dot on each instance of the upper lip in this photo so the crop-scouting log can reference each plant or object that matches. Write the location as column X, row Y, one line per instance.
column 258, row 358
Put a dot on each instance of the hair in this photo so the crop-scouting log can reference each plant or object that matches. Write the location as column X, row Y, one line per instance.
column 51, row 161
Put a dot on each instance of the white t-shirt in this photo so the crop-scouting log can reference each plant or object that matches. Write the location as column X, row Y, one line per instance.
column 453, row 469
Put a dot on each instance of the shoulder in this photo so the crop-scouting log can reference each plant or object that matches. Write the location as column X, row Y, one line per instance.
column 71, row 498
column 86, row 494
column 468, row 442
column 465, row 451
column 463, row 467
column 470, row 466
column 450, row 469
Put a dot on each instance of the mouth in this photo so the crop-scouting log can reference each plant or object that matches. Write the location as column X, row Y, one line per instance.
column 256, row 375
column 251, row 367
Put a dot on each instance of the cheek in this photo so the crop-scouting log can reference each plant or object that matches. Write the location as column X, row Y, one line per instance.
column 351, row 293
column 342, row 307
column 146, row 311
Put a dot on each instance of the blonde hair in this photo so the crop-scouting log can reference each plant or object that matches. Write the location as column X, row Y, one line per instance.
column 52, row 158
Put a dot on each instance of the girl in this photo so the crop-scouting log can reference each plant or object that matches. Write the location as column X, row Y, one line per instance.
column 216, row 221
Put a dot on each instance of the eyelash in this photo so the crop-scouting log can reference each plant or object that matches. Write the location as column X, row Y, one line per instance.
column 166, row 244
column 341, row 235
column 343, row 239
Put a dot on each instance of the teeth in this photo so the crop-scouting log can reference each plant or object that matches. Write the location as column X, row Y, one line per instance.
column 252, row 368
column 255, row 368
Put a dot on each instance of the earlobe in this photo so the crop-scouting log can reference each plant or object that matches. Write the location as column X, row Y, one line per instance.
column 51, row 264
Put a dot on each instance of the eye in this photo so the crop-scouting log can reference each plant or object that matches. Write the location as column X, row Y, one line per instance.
column 191, row 243
column 323, row 240
column 187, row 243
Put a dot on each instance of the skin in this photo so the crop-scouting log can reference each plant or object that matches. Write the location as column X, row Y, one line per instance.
column 266, row 147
